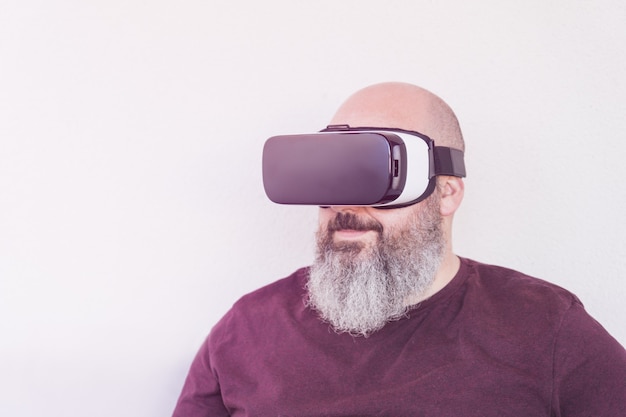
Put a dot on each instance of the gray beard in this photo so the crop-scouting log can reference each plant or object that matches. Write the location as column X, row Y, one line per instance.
column 358, row 289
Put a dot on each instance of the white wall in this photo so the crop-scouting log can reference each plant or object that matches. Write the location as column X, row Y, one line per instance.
column 131, row 209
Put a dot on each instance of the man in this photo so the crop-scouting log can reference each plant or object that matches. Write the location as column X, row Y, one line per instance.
column 388, row 321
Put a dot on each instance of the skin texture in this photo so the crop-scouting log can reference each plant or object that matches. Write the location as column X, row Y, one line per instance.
column 405, row 106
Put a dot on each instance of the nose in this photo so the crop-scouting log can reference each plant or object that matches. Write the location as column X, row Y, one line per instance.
column 347, row 209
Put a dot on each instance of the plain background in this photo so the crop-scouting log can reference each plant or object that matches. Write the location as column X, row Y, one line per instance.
column 132, row 213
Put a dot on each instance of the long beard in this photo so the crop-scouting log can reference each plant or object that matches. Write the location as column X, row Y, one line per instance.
column 358, row 289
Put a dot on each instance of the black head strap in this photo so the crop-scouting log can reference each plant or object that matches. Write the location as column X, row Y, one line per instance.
column 449, row 161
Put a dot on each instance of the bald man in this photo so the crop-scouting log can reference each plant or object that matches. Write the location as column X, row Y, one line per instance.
column 388, row 321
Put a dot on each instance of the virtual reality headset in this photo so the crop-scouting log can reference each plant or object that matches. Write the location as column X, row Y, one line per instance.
column 344, row 166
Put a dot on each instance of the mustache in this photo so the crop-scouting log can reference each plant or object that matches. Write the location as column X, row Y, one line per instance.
column 349, row 221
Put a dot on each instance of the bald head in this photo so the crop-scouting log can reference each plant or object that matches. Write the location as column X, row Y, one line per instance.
column 403, row 106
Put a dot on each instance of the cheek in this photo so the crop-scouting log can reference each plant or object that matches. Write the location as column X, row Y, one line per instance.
column 324, row 216
column 394, row 219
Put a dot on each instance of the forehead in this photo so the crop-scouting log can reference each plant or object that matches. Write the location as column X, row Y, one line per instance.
column 389, row 113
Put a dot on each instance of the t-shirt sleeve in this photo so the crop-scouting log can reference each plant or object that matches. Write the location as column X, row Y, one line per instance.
column 589, row 369
column 201, row 396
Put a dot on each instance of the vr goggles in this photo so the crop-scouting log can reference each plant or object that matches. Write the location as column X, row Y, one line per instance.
column 344, row 166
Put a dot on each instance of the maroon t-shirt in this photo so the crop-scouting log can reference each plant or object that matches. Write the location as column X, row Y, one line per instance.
column 493, row 342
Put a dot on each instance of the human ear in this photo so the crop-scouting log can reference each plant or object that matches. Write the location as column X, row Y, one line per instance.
column 451, row 190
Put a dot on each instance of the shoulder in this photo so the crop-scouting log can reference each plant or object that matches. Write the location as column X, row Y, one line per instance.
column 517, row 287
column 280, row 292
column 507, row 300
column 267, row 305
column 541, row 327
